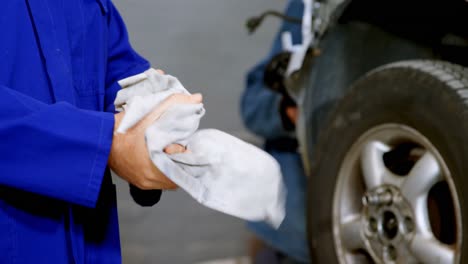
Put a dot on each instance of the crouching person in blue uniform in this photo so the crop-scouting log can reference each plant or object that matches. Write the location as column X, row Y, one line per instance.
column 265, row 114
column 60, row 66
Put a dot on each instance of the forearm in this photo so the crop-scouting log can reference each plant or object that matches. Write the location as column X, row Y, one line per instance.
column 55, row 150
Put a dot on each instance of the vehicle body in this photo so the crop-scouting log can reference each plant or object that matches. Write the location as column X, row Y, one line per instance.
column 383, row 130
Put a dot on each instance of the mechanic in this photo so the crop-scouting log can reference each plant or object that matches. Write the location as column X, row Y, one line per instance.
column 61, row 61
column 265, row 113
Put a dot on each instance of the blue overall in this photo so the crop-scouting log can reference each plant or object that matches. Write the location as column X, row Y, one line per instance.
column 60, row 61
column 260, row 112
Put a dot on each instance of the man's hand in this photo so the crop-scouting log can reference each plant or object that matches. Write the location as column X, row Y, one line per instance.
column 129, row 155
column 292, row 113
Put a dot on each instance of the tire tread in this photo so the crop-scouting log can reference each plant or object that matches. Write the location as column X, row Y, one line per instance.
column 455, row 76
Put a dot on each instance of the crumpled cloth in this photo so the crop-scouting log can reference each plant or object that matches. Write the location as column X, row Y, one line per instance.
column 218, row 170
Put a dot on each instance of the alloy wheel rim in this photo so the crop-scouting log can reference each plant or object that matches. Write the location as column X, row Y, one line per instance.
column 381, row 211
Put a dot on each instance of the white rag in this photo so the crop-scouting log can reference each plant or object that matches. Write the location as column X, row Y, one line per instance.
column 218, row 170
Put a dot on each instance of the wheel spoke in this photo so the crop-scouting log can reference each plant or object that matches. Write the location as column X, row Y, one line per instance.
column 427, row 249
column 425, row 173
column 373, row 167
column 351, row 233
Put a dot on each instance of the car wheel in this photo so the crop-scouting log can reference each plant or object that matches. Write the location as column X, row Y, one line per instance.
column 388, row 182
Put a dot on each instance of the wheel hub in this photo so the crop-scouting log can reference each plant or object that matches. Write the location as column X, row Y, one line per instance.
column 388, row 224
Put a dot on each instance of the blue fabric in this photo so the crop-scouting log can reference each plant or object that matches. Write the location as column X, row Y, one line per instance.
column 260, row 112
column 60, row 63
column 259, row 105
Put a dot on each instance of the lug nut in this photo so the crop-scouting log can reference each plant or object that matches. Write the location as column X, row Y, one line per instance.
column 382, row 198
column 390, row 254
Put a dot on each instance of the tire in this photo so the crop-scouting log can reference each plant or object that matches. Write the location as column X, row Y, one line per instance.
column 418, row 111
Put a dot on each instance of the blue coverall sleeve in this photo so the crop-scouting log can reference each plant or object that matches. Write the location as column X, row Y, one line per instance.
column 259, row 105
column 123, row 61
column 54, row 150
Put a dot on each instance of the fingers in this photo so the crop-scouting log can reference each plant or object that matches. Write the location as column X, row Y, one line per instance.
column 170, row 101
column 197, row 98
column 174, row 149
column 160, row 71
column 180, row 98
